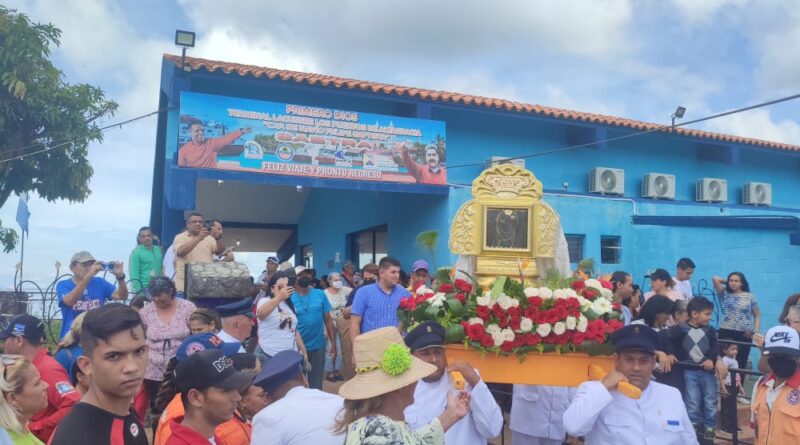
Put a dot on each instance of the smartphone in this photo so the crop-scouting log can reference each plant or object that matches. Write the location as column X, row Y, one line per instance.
column 208, row 224
column 109, row 266
column 292, row 281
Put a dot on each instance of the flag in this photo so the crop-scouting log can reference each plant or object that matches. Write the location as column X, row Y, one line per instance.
column 23, row 215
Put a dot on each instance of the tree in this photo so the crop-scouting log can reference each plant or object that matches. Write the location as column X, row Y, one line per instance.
column 46, row 124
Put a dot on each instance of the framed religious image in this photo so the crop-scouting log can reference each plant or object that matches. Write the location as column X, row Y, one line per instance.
column 507, row 228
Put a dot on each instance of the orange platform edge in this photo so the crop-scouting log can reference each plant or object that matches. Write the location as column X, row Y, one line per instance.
column 537, row 369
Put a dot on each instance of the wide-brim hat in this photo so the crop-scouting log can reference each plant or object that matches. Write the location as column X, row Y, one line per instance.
column 374, row 352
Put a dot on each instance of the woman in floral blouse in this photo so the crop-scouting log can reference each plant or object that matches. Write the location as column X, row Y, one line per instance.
column 741, row 317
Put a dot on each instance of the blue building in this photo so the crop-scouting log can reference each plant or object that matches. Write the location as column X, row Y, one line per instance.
column 743, row 218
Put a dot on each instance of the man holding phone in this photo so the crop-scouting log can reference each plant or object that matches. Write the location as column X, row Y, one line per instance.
column 85, row 291
column 194, row 245
column 215, row 230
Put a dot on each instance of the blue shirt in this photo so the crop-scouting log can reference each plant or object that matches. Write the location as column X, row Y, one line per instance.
column 95, row 295
column 311, row 309
column 67, row 358
column 376, row 308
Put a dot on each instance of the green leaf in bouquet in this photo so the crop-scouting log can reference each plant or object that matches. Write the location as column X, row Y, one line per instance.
column 432, row 313
column 419, row 312
column 454, row 333
column 591, row 315
column 443, row 275
column 497, row 287
column 456, row 308
column 594, row 348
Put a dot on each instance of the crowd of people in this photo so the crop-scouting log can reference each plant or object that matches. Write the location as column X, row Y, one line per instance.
column 252, row 370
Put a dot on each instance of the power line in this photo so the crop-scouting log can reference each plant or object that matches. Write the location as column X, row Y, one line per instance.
column 69, row 141
column 640, row 133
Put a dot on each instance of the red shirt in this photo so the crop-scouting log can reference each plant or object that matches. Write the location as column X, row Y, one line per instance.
column 61, row 396
column 182, row 435
column 423, row 174
column 204, row 155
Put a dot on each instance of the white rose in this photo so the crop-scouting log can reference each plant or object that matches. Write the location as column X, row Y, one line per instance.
column 476, row 320
column 484, row 301
column 591, row 282
column 526, row 324
column 571, row 293
column 514, row 302
column 545, row 293
column 559, row 328
column 436, row 303
column 583, row 323
column 572, row 322
column 531, row 292
column 492, row 329
column 584, row 303
column 559, row 294
column 601, row 306
column 508, row 335
column 422, row 290
column 606, row 293
column 544, row 329
column 498, row 338
column 504, row 301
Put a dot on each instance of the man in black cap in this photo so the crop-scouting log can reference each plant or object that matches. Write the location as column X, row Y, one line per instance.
column 210, row 389
column 603, row 415
column 298, row 415
column 23, row 336
column 485, row 419
column 237, row 321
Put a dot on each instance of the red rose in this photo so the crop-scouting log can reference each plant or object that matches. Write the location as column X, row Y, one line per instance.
column 606, row 284
column 462, row 298
column 578, row 338
column 446, row 288
column 483, row 312
column 513, row 311
column 533, row 339
column 578, row 285
column 515, row 323
column 614, row 325
column 463, row 285
column 590, row 294
column 487, row 341
column 503, row 322
column 507, row 346
column 519, row 340
column 535, row 301
column 476, row 331
column 616, row 306
column 498, row 311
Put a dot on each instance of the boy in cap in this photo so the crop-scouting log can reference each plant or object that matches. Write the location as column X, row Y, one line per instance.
column 210, row 390
column 484, row 420
column 421, row 273
column 23, row 336
column 85, row 291
column 237, row 321
column 115, row 357
column 605, row 416
column 298, row 415
column 776, row 399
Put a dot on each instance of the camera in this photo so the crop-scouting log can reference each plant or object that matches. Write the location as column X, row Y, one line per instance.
column 109, row 266
column 208, row 224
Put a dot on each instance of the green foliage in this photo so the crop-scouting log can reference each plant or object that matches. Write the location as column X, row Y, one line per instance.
column 587, row 266
column 428, row 240
column 554, row 280
column 443, row 275
column 40, row 111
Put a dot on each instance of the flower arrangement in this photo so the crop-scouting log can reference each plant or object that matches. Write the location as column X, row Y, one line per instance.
column 509, row 318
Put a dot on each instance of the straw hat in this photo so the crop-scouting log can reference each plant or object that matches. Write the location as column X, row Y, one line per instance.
column 383, row 364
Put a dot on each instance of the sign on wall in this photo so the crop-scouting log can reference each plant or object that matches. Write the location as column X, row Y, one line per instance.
column 248, row 135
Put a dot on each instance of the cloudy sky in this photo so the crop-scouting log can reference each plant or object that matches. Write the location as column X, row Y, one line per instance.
column 621, row 57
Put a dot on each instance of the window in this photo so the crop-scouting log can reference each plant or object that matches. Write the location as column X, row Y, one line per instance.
column 369, row 246
column 610, row 249
column 575, row 247
column 307, row 254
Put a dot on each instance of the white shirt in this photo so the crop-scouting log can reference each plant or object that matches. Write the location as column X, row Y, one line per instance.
column 484, row 421
column 169, row 262
column 228, row 338
column 683, row 288
column 657, row 418
column 537, row 410
column 773, row 392
column 271, row 338
column 303, row 416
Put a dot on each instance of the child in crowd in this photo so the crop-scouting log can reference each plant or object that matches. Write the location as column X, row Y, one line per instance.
column 728, row 387
column 680, row 313
column 695, row 341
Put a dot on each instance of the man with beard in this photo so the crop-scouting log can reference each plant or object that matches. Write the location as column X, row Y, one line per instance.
column 485, row 419
column 115, row 357
column 604, row 415
column 432, row 172
column 776, row 399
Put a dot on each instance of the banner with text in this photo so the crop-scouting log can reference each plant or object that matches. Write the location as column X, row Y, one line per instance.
column 287, row 139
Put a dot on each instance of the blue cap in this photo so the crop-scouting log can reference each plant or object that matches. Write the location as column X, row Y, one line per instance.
column 200, row 342
column 636, row 337
column 427, row 334
column 420, row 264
column 241, row 307
column 279, row 369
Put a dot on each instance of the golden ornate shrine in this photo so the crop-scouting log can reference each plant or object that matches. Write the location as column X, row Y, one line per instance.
column 506, row 225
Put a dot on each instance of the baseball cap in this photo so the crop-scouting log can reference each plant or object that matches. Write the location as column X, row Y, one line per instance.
column 637, row 337
column 201, row 342
column 24, row 325
column 782, row 340
column 427, row 335
column 82, row 257
column 210, row 368
column 420, row 264
column 272, row 259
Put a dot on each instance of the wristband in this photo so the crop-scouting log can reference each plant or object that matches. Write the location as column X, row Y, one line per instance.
column 120, row 277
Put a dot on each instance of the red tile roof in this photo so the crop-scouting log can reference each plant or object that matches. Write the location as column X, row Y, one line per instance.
column 459, row 98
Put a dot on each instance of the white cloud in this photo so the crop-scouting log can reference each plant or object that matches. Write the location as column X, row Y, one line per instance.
column 758, row 124
column 700, row 12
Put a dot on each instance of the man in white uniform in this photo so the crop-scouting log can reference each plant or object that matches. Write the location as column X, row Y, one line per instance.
column 605, row 416
column 298, row 415
column 485, row 419
column 536, row 414
column 237, row 321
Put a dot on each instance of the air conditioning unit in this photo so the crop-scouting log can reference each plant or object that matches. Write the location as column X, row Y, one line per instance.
column 607, row 181
column 711, row 190
column 658, row 186
column 757, row 194
column 495, row 160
